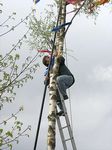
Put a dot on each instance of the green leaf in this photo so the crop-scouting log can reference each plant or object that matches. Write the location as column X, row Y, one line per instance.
column 12, row 28
column 10, row 146
column 1, row 4
column 5, row 122
column 25, row 36
column 17, row 141
column 10, row 56
column 21, row 108
column 0, row 56
column 19, row 128
column 9, row 133
column 1, row 130
column 14, row 13
column 17, row 56
column 1, row 141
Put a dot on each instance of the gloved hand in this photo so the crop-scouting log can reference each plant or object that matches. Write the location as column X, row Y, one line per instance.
column 46, row 81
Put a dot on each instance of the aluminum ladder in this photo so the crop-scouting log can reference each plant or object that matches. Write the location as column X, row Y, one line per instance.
column 67, row 126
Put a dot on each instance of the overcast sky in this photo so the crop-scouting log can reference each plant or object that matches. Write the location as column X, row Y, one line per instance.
column 91, row 95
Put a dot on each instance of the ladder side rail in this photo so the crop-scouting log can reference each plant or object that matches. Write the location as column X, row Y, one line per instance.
column 67, row 122
column 61, row 133
column 69, row 127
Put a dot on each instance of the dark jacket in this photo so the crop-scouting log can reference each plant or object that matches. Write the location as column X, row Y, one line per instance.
column 63, row 69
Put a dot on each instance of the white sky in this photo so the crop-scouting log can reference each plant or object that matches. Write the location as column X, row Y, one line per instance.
column 91, row 96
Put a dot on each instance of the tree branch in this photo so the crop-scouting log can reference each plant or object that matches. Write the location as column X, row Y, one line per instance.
column 16, row 24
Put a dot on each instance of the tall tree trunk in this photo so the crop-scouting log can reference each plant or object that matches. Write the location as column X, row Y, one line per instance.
column 52, row 86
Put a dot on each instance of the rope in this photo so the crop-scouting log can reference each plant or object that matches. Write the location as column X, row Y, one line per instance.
column 66, row 58
column 45, row 89
column 67, row 61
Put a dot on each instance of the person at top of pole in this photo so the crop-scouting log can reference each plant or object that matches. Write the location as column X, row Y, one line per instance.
column 65, row 78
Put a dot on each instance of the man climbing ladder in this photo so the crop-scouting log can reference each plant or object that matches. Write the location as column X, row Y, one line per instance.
column 65, row 78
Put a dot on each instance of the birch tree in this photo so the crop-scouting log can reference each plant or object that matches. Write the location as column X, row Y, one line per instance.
column 53, row 75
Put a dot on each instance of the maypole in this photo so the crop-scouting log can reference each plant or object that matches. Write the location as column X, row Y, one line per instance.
column 51, row 139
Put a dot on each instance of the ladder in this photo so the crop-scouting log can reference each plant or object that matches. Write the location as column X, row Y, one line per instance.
column 67, row 126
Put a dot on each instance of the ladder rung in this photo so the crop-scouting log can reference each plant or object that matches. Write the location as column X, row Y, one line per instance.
column 68, row 139
column 65, row 127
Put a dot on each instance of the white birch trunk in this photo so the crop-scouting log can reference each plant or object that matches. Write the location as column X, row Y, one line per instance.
column 52, row 86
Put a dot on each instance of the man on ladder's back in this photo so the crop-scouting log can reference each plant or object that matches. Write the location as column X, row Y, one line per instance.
column 65, row 79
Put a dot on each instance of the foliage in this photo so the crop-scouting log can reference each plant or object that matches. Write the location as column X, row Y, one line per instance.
column 12, row 17
column 9, row 136
column 14, row 73
column 41, row 35
column 91, row 7
column 1, row 4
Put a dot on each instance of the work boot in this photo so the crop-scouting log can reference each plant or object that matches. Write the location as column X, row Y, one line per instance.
column 61, row 113
column 65, row 97
column 60, row 105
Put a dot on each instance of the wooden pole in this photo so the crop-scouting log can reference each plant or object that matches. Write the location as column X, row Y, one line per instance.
column 51, row 140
